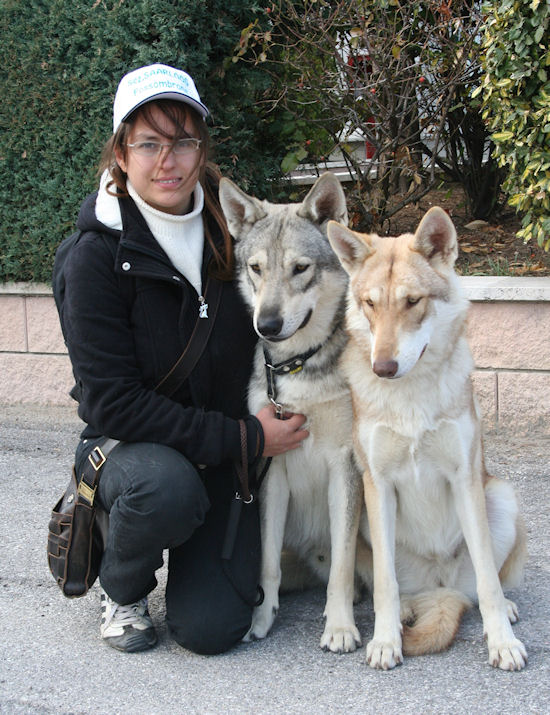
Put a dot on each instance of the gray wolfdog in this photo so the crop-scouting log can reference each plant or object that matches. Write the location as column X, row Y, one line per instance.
column 311, row 498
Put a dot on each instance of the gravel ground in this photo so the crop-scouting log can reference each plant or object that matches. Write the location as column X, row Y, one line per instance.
column 53, row 660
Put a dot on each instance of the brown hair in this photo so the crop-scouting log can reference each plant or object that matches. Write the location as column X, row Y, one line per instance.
column 209, row 174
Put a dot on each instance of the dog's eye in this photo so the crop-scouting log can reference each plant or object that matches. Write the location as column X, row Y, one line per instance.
column 301, row 267
column 413, row 301
column 369, row 302
column 255, row 268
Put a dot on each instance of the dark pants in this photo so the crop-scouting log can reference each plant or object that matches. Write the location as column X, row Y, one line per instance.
column 156, row 500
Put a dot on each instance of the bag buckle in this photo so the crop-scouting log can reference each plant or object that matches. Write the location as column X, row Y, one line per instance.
column 86, row 492
column 97, row 458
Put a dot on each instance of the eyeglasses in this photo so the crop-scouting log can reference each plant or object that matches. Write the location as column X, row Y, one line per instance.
column 153, row 149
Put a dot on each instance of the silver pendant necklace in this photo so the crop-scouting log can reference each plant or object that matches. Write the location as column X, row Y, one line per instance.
column 203, row 307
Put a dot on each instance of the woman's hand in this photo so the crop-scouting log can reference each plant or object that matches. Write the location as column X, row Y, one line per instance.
column 281, row 436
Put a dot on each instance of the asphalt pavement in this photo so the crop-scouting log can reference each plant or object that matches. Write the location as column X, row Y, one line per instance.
column 52, row 659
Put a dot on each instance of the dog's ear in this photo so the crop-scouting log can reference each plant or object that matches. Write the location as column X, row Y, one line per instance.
column 239, row 208
column 435, row 238
column 351, row 248
column 325, row 201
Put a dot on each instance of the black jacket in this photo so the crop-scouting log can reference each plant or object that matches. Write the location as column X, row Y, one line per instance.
column 128, row 315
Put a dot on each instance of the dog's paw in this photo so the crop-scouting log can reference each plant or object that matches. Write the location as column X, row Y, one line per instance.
column 508, row 656
column 384, row 655
column 262, row 620
column 340, row 639
column 511, row 610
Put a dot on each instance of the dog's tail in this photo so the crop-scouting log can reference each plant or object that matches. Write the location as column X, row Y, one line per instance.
column 431, row 620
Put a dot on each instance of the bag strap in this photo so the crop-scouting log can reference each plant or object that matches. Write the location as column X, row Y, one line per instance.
column 197, row 342
column 89, row 478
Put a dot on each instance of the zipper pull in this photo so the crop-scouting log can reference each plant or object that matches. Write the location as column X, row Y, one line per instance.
column 203, row 307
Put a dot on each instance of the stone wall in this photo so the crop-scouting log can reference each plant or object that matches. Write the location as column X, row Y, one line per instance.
column 509, row 331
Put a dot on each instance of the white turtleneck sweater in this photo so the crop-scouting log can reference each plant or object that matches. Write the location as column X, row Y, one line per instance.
column 181, row 237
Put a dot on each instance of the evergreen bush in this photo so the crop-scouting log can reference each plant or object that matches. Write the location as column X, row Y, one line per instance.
column 60, row 62
column 516, row 100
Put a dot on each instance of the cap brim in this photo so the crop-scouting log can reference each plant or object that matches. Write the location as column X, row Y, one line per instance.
column 197, row 106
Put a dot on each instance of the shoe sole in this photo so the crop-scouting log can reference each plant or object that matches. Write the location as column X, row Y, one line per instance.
column 132, row 643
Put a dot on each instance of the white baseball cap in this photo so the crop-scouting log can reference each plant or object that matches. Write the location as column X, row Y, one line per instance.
column 154, row 82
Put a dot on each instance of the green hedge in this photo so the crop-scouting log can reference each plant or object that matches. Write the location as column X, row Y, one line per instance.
column 60, row 62
column 516, row 100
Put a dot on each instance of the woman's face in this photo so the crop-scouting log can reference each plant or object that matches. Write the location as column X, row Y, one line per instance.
column 165, row 181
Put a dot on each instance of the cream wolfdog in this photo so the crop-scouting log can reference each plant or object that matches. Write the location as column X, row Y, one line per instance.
column 436, row 518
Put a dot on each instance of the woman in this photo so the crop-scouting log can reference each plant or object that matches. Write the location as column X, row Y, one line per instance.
column 135, row 279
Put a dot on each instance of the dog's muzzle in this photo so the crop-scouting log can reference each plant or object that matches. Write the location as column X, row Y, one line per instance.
column 269, row 327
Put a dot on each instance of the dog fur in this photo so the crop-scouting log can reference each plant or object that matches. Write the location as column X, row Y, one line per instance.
column 438, row 523
column 311, row 498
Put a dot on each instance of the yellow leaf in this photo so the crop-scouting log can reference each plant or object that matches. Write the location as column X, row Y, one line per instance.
column 502, row 136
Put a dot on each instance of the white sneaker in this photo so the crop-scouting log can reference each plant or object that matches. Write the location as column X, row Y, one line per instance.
column 128, row 628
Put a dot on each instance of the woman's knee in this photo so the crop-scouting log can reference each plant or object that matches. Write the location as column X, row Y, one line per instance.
column 155, row 484
column 211, row 632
